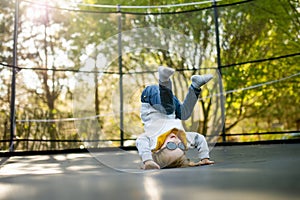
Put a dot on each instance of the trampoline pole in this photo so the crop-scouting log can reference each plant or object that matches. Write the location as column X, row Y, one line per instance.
column 13, row 81
column 222, row 100
column 121, row 75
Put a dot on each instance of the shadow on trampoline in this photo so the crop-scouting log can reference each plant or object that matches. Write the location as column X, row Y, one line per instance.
column 248, row 172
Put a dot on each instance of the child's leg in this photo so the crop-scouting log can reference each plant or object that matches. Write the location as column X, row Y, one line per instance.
column 165, row 89
column 187, row 107
column 160, row 97
column 166, row 98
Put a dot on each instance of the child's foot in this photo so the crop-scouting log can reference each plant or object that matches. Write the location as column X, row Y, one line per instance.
column 164, row 73
column 200, row 80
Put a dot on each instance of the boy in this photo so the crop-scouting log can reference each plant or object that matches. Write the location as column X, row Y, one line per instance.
column 164, row 142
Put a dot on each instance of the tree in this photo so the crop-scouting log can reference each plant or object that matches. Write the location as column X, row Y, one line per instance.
column 257, row 31
column 41, row 47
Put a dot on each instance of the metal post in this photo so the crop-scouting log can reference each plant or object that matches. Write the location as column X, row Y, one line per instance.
column 121, row 76
column 222, row 100
column 13, row 81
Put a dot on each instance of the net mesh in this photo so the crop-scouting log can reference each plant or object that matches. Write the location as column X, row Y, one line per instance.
column 69, row 78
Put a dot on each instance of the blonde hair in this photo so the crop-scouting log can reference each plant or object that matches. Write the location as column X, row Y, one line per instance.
column 163, row 160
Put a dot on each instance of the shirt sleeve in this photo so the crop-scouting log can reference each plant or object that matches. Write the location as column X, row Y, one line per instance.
column 196, row 140
column 143, row 146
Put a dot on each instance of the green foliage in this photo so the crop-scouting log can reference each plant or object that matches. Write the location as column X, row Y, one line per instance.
column 265, row 30
column 55, row 38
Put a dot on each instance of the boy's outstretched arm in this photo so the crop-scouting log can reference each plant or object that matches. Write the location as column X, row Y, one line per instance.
column 198, row 141
column 143, row 146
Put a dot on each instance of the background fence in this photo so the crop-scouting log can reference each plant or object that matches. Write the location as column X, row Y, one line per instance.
column 72, row 74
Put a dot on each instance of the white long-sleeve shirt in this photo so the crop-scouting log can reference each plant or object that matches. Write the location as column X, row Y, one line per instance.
column 156, row 124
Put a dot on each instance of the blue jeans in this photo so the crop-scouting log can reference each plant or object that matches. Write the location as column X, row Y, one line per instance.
column 163, row 100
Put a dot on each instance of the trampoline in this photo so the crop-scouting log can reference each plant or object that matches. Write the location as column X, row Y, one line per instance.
column 256, row 171
column 245, row 171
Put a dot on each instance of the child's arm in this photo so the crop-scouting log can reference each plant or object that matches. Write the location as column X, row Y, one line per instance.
column 150, row 164
column 143, row 146
column 198, row 141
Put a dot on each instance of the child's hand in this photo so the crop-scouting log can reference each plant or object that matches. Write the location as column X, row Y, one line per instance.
column 204, row 161
column 150, row 164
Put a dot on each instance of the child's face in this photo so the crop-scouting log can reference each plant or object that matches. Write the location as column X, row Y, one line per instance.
column 171, row 138
column 176, row 153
